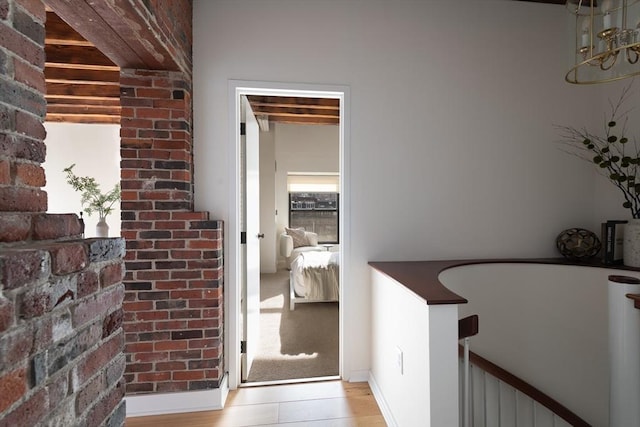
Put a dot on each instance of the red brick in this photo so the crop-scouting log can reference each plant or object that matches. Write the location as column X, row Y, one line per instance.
column 138, row 306
column 30, row 412
column 187, row 274
column 22, row 267
column 12, row 386
column 93, row 362
column 153, row 93
column 171, row 366
column 22, row 199
column 55, row 226
column 89, row 393
column 22, row 46
column 30, row 125
column 154, row 376
column 139, row 347
column 29, row 175
column 101, row 410
column 171, row 325
column 14, row 227
column 87, row 283
column 170, row 345
column 151, row 357
column 172, row 386
column 169, row 244
column 35, row 304
column 31, row 76
column 68, row 258
column 111, row 275
column 98, row 306
column 35, row 8
column 7, row 314
column 152, row 315
column 188, row 375
column 203, row 244
column 5, row 172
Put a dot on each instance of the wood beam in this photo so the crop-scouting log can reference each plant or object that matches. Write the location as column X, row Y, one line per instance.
column 83, row 118
column 82, row 90
column 78, row 55
column 119, row 30
column 80, row 75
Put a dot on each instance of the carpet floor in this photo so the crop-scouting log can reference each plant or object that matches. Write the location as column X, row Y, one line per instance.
column 294, row 344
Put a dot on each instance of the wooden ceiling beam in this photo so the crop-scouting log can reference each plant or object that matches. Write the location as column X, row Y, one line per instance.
column 119, row 30
column 305, row 120
column 292, row 101
column 82, row 100
column 78, row 108
column 274, row 110
column 81, row 75
column 271, row 114
column 79, row 55
column 80, row 90
column 83, row 118
column 59, row 32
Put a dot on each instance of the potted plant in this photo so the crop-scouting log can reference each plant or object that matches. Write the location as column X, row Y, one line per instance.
column 93, row 200
column 618, row 159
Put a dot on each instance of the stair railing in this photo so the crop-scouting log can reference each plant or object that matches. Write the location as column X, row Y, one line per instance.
column 467, row 327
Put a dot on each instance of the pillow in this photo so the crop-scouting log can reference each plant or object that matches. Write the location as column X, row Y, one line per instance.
column 298, row 236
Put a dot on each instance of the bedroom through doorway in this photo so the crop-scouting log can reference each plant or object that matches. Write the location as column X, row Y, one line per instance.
column 290, row 322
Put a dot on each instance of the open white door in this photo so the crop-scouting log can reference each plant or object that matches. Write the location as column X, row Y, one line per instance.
column 251, row 294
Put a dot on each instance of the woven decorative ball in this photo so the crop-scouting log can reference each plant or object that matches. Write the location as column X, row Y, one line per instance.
column 578, row 243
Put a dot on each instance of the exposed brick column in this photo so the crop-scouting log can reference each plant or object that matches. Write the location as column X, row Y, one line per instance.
column 173, row 302
column 61, row 340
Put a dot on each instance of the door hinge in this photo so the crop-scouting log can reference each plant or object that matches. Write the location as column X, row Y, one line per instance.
column 243, row 347
column 243, row 129
column 243, row 237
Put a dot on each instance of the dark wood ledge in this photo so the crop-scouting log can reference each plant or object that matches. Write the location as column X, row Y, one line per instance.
column 421, row 277
column 635, row 298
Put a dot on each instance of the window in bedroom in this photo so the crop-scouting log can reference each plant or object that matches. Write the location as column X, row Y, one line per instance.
column 314, row 205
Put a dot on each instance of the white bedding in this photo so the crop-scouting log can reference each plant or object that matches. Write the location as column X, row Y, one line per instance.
column 315, row 276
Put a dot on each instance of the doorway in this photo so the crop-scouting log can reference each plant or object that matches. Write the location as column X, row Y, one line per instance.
column 235, row 298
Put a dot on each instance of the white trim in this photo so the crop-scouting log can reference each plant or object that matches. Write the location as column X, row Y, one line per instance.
column 176, row 403
column 382, row 404
column 232, row 272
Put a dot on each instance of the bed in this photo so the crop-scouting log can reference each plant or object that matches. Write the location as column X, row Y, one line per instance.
column 314, row 277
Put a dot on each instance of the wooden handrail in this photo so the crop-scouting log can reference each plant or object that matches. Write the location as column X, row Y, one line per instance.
column 526, row 388
column 635, row 298
column 468, row 326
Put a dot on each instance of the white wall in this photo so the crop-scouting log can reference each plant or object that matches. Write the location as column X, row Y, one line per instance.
column 452, row 150
column 413, row 369
column 95, row 149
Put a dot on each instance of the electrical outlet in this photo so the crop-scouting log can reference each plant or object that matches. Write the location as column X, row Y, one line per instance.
column 399, row 360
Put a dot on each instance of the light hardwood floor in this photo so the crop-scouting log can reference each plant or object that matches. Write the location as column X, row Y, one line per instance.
column 326, row 404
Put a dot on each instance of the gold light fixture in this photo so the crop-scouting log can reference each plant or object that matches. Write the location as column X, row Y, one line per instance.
column 607, row 40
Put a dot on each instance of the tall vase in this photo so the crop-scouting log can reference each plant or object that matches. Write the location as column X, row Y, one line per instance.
column 631, row 246
column 102, row 228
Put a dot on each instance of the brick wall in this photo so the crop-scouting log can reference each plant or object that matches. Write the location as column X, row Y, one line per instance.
column 173, row 301
column 61, row 339
column 171, row 22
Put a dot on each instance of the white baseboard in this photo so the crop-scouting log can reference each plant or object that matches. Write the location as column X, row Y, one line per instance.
column 175, row 403
column 382, row 403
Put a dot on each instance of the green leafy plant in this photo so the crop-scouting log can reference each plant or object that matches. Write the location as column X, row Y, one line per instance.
column 615, row 156
column 92, row 199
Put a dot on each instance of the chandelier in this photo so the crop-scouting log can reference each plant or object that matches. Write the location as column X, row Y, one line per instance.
column 607, row 40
